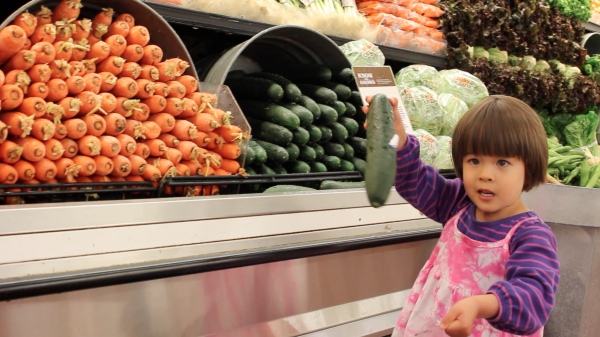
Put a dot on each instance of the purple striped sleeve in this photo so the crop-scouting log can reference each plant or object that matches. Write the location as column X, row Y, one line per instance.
column 424, row 188
column 532, row 275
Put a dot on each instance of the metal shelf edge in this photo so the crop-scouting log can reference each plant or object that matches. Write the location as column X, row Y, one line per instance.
column 591, row 26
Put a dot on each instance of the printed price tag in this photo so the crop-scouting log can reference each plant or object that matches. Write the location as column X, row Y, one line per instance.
column 380, row 80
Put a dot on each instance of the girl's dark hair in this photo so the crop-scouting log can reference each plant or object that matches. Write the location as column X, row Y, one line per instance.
column 507, row 127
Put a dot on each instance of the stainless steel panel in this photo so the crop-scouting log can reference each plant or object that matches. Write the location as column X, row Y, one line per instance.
column 567, row 205
column 220, row 301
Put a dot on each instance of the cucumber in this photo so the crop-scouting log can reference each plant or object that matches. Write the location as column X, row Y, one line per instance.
column 350, row 124
column 287, row 189
column 319, row 150
column 301, row 136
column 342, row 91
column 319, row 93
column 275, row 153
column 326, row 133
column 307, row 154
column 339, row 133
column 339, row 107
column 250, row 155
column 270, row 112
column 306, row 117
column 255, row 88
column 293, row 151
column 328, row 115
column 303, row 73
column 356, row 98
column 279, row 169
column 360, row 146
column 311, row 105
column 346, row 165
column 348, row 151
column 317, row 167
column 334, row 149
column 332, row 163
column 298, row 166
column 350, row 109
column 250, row 188
column 260, row 155
column 263, row 169
column 270, row 132
column 381, row 156
column 333, row 185
column 314, row 133
column 359, row 165
column 345, row 75
column 291, row 91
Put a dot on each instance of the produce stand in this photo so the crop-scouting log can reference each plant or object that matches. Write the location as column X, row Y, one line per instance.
column 244, row 264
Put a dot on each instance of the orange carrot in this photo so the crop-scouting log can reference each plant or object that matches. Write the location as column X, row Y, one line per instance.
column 97, row 178
column 71, row 107
column 131, row 69
column 11, row 96
column 90, row 103
column 122, row 166
column 128, row 144
column 115, row 124
column 8, row 174
column 66, row 9
column 60, row 69
column 96, row 125
column 176, row 89
column 70, row 146
column 174, row 106
column 80, row 50
column 169, row 139
column 97, row 33
column 104, row 165
column 3, row 132
column 138, row 165
column 13, row 39
column 44, row 33
column 21, row 60
column 109, row 102
column 18, row 77
column 99, row 51
column 2, row 78
column 165, row 121
column 194, row 167
column 93, row 82
column 221, row 172
column 188, row 150
column 10, row 152
column 57, row 90
column 138, row 35
column 155, row 103
column 230, row 165
column 128, row 18
column 161, row 89
column 134, row 129
column 90, row 65
column 39, row 73
column 44, row 52
column 214, row 159
column 18, row 123
column 28, row 44
column 87, row 165
column 104, row 17
column 125, row 87
column 189, row 82
column 108, row 81
column 25, row 170
column 45, row 170
column 140, row 113
column 77, row 68
column 184, row 130
column 153, row 55
column 118, row 28
column 64, row 50
column 38, row 89
column 44, row 15
column 182, row 169
column 42, row 129
column 83, row 28
column 190, row 108
column 110, row 146
column 215, row 140
column 150, row 72
column 61, row 131
column 157, row 147
column 152, row 173
column 33, row 149
column 204, row 122
column 142, row 150
column 117, row 45
column 167, row 71
column 66, row 169
column 112, row 64
column 146, row 88
column 26, row 21
column 151, row 129
column 125, row 106
column 165, row 166
column 203, row 139
column 89, row 145
column 75, row 84
column 229, row 150
column 133, row 53
column 231, row 133
column 64, row 30
column 76, row 128
column 33, row 105
column 54, row 149
column 223, row 117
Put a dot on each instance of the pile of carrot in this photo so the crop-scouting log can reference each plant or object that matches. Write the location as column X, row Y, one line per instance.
column 401, row 21
column 94, row 100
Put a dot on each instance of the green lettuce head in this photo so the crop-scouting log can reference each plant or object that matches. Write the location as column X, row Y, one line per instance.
column 422, row 108
column 443, row 161
column 467, row 87
column 419, row 75
column 428, row 145
column 454, row 108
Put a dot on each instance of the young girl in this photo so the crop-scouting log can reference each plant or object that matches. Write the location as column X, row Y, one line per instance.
column 494, row 271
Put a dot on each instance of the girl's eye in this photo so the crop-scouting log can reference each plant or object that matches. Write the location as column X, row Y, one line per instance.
column 473, row 161
column 502, row 162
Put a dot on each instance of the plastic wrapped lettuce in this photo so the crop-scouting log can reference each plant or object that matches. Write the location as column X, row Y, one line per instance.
column 454, row 108
column 422, row 108
column 363, row 53
column 443, row 160
column 419, row 75
column 467, row 87
column 428, row 145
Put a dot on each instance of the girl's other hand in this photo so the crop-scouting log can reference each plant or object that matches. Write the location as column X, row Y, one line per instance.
column 459, row 320
column 397, row 120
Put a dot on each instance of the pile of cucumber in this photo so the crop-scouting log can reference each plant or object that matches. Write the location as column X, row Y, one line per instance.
column 304, row 118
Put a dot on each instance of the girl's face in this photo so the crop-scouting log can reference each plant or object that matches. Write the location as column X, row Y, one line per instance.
column 494, row 184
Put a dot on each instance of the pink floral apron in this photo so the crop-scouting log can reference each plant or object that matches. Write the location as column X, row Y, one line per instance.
column 459, row 267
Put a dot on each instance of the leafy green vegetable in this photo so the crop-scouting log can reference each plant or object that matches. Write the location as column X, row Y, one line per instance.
column 443, row 160
column 422, row 108
column 578, row 9
column 419, row 74
column 454, row 108
column 582, row 130
column 428, row 146
column 466, row 86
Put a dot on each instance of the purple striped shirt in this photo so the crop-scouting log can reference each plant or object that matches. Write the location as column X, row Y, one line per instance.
column 532, row 271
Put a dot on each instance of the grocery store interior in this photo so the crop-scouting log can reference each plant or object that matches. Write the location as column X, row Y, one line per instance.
column 214, row 153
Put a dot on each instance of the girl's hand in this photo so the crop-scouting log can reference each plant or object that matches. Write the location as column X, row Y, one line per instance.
column 459, row 321
column 397, row 120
